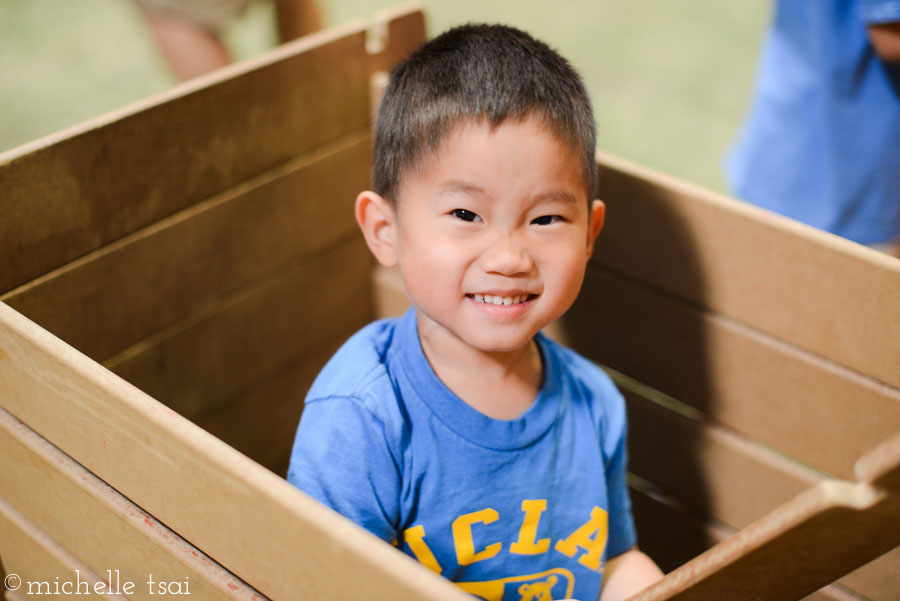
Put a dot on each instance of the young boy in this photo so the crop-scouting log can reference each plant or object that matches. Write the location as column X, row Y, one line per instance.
column 459, row 432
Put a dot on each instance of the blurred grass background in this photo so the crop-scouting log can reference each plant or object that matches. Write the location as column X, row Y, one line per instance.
column 670, row 79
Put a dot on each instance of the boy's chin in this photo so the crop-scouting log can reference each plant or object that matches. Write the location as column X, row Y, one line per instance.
column 484, row 339
column 486, row 343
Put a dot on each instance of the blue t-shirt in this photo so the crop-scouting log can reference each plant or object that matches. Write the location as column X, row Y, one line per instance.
column 503, row 508
column 822, row 140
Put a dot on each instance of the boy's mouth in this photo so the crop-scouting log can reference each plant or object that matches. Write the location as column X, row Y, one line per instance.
column 489, row 299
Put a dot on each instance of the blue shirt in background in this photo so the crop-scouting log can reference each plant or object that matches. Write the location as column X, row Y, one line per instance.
column 822, row 141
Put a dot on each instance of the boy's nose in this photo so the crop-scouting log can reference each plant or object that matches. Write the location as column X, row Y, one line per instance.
column 506, row 256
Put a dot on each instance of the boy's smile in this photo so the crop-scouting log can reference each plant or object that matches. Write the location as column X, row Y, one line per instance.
column 492, row 234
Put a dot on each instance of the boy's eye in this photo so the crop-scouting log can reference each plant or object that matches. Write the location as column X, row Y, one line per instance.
column 465, row 215
column 547, row 219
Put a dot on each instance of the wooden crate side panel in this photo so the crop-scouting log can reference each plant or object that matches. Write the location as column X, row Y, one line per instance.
column 74, row 192
column 31, row 558
column 126, row 291
column 201, row 363
column 261, row 423
column 818, row 412
column 94, row 523
column 814, row 290
column 676, row 536
column 291, row 547
column 711, row 471
column 815, row 538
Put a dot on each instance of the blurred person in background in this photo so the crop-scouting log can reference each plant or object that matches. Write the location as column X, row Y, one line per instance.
column 821, row 143
column 188, row 32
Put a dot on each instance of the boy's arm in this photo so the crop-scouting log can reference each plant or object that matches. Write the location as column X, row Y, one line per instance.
column 627, row 571
column 628, row 574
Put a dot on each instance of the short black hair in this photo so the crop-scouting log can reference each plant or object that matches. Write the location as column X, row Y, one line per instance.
column 478, row 73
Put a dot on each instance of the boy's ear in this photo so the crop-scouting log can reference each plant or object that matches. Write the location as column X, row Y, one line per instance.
column 376, row 219
column 595, row 224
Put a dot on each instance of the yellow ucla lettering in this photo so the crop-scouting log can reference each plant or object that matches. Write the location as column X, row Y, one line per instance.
column 462, row 536
column 590, row 536
column 526, row 544
column 415, row 538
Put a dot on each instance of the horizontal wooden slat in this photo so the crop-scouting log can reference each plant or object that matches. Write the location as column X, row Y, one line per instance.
column 261, row 423
column 96, row 524
column 73, row 192
column 814, row 410
column 290, row 546
column 31, row 558
column 125, row 292
column 198, row 364
column 708, row 468
column 822, row 293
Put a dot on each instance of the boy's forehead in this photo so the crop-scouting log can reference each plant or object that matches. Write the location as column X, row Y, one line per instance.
column 463, row 140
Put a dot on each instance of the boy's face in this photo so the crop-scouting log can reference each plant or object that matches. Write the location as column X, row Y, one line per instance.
column 492, row 234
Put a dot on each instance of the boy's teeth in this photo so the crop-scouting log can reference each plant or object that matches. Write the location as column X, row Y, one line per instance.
column 499, row 300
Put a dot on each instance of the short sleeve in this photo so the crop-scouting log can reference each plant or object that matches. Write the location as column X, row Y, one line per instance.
column 341, row 458
column 874, row 12
column 622, row 535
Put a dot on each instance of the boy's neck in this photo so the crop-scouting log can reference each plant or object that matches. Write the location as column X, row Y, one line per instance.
column 499, row 384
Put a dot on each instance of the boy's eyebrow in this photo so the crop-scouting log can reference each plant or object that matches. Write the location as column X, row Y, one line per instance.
column 457, row 186
column 555, row 195
column 544, row 197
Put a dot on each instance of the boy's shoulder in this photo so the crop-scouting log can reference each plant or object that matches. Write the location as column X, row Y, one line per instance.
column 359, row 367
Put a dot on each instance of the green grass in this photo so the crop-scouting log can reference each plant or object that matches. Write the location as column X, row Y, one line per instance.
column 670, row 79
